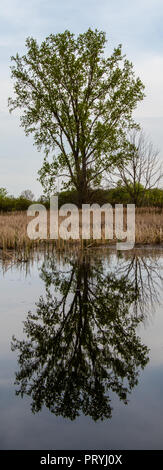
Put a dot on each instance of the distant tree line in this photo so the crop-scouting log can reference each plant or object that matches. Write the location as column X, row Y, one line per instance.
column 117, row 195
column 11, row 203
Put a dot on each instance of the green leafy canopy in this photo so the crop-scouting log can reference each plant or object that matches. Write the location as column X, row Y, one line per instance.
column 78, row 105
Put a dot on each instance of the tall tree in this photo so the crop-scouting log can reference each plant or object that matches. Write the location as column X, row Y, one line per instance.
column 78, row 104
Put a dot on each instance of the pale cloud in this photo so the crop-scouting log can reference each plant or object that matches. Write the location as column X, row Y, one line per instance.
column 150, row 70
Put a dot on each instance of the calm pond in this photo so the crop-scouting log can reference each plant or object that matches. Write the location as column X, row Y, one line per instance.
column 81, row 351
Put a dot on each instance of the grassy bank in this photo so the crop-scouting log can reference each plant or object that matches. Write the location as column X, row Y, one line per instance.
column 13, row 231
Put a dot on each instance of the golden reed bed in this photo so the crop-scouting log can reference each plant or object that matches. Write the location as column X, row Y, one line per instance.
column 13, row 230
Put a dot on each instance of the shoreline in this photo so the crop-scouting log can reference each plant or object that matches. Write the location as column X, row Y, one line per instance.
column 20, row 256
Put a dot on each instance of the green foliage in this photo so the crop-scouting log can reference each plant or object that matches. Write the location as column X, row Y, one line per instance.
column 117, row 195
column 9, row 204
column 3, row 193
column 153, row 197
column 78, row 105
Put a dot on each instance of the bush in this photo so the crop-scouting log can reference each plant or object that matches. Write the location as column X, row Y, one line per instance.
column 14, row 204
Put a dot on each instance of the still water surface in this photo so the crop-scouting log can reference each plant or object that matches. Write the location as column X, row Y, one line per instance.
column 81, row 351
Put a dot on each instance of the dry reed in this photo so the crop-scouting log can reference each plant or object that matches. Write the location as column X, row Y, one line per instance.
column 13, row 232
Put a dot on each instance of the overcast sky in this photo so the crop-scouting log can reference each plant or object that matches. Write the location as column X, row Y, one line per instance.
column 136, row 25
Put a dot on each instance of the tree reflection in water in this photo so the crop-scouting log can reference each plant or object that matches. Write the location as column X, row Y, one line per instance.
column 82, row 342
column 145, row 272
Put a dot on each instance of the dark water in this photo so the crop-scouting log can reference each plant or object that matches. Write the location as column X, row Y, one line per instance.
column 81, row 351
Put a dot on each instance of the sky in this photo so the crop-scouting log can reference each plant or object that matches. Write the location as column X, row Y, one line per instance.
column 135, row 25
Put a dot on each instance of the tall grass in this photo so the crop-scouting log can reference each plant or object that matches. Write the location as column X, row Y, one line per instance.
column 13, row 232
